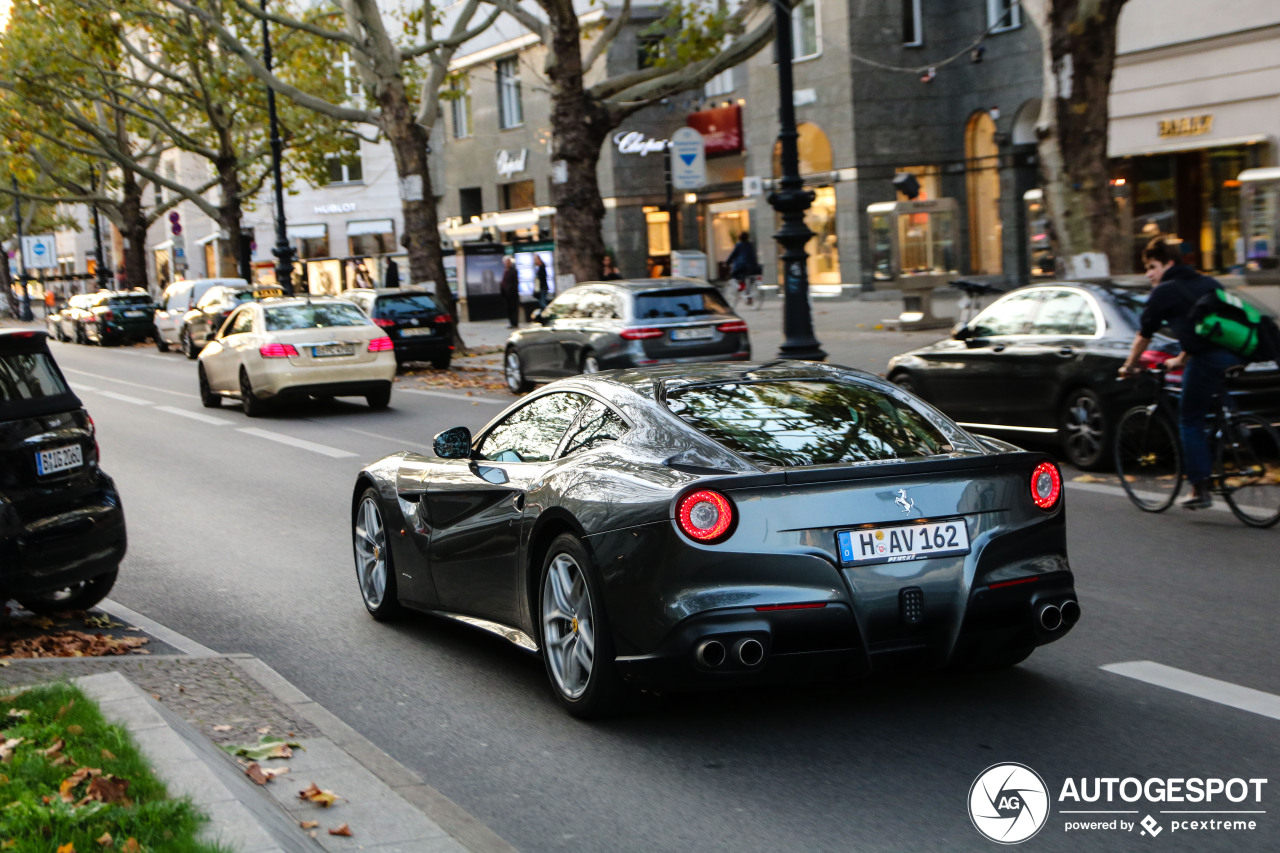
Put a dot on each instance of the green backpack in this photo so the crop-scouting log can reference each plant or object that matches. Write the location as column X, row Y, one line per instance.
column 1225, row 320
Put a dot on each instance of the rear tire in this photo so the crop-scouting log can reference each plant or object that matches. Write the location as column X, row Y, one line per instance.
column 905, row 382
column 79, row 596
column 208, row 398
column 1086, row 435
column 253, row 407
column 188, row 345
column 513, row 371
column 442, row 362
column 375, row 572
column 161, row 343
column 379, row 399
column 590, row 364
column 1148, row 459
column 1250, row 465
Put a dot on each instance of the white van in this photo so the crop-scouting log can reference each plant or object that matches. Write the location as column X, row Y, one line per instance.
column 179, row 298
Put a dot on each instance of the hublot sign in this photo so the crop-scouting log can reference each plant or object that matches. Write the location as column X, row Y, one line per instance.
column 509, row 163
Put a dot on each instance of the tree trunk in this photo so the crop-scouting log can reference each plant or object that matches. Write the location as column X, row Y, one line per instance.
column 1079, row 39
column 579, row 127
column 230, row 214
column 134, row 233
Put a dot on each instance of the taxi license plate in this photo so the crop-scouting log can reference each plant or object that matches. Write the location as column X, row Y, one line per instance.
column 59, row 459
column 696, row 334
column 415, row 332
column 332, row 350
column 902, row 542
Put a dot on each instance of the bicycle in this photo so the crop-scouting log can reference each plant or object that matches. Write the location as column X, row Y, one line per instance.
column 970, row 302
column 747, row 288
column 1245, row 450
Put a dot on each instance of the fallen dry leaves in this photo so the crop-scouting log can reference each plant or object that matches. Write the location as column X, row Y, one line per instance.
column 71, row 644
column 308, row 824
column 341, row 830
column 263, row 775
column 318, row 796
column 458, row 377
column 6, row 748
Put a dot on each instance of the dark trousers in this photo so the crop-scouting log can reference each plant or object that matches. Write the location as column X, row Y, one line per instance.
column 1202, row 382
column 513, row 312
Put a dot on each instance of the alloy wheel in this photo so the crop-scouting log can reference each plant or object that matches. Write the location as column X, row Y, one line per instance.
column 590, row 364
column 371, row 553
column 568, row 626
column 514, row 373
column 1085, row 428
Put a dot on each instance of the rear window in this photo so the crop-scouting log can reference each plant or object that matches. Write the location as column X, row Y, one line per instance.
column 795, row 423
column 403, row 305
column 689, row 302
column 314, row 316
column 29, row 376
column 130, row 299
column 1130, row 306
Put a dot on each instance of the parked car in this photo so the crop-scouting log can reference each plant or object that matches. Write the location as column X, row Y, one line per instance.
column 630, row 323
column 715, row 525
column 202, row 322
column 118, row 316
column 179, row 298
column 62, row 530
column 278, row 349
column 1042, row 362
column 68, row 324
column 417, row 326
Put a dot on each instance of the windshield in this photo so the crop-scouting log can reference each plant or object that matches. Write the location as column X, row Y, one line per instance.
column 404, row 305
column 314, row 316
column 685, row 302
column 130, row 299
column 807, row 422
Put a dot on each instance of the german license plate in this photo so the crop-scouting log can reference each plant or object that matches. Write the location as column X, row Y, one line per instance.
column 135, row 313
column 902, row 542
column 698, row 333
column 329, row 350
column 413, row 333
column 59, row 459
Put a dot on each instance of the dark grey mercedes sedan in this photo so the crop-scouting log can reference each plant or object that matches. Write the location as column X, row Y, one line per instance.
column 713, row 525
column 630, row 323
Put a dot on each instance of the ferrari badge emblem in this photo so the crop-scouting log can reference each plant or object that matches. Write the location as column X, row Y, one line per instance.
column 903, row 501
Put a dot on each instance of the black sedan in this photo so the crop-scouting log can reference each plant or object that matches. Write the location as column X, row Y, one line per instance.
column 630, row 323
column 420, row 330
column 62, row 531
column 676, row 528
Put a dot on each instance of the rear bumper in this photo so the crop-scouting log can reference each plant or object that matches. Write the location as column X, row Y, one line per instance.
column 337, row 380
column 358, row 388
column 422, row 349
column 53, row 551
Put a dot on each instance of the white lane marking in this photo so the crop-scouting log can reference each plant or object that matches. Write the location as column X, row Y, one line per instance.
column 1219, row 504
column 186, row 645
column 132, row 384
column 76, row 386
column 397, row 441
column 125, row 398
column 1202, row 687
column 302, row 444
column 171, row 358
column 462, row 397
column 195, row 416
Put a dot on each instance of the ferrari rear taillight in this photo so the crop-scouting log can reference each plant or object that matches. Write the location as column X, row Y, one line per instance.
column 704, row 515
column 733, row 326
column 641, row 334
column 1046, row 485
column 383, row 322
column 278, row 351
column 382, row 344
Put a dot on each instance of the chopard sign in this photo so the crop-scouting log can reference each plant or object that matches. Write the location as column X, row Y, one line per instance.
column 635, row 142
column 509, row 163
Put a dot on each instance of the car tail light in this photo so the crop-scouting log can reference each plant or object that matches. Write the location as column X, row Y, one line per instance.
column 382, row 344
column 278, row 351
column 441, row 319
column 108, row 316
column 641, row 334
column 1153, row 358
column 93, row 433
column 383, row 322
column 1046, row 485
column 733, row 326
column 704, row 515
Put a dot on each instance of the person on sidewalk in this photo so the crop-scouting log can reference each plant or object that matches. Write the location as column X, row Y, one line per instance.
column 610, row 270
column 541, row 291
column 1177, row 288
column 510, row 290
column 392, row 277
column 744, row 266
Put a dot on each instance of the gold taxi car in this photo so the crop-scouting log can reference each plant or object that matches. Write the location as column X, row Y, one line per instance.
column 277, row 349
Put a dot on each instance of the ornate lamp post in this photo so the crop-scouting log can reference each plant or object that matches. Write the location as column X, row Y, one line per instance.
column 791, row 200
column 283, row 251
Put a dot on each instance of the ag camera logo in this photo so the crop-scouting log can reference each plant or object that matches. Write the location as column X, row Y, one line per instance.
column 1008, row 803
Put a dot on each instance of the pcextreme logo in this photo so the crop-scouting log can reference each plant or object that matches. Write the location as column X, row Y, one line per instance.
column 1008, row 803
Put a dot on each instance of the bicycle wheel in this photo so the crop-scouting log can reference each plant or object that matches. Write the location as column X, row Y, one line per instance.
column 1148, row 458
column 1248, row 469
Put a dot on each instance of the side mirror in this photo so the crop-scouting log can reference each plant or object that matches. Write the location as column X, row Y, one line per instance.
column 453, row 443
column 962, row 333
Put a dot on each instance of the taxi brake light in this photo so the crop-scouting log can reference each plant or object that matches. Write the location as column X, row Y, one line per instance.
column 382, row 344
column 278, row 351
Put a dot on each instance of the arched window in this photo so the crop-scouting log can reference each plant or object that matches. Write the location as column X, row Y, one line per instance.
column 814, row 151
column 983, row 180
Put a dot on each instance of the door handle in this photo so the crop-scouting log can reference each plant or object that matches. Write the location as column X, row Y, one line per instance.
column 998, row 348
column 1066, row 351
column 517, row 500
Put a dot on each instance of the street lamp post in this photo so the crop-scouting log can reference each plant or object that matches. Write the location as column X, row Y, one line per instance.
column 791, row 200
column 283, row 251
column 22, row 261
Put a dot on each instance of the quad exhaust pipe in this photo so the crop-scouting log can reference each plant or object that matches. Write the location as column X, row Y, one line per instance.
column 745, row 651
column 1070, row 612
column 1050, row 617
column 710, row 653
column 749, row 651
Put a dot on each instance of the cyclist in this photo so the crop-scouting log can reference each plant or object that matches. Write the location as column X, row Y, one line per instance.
column 1177, row 288
column 744, row 266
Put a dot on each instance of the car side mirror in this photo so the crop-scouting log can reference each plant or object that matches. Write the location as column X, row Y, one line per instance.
column 453, row 443
column 962, row 333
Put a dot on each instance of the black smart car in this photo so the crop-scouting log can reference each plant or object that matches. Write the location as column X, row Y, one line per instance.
column 62, row 530
column 418, row 327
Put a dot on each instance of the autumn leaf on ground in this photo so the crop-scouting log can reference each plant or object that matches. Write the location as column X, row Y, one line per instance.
column 264, row 730
column 131, row 846
column 105, row 840
column 69, row 783
column 107, row 754
column 75, row 730
column 268, row 747
column 67, row 848
column 7, row 748
column 318, row 796
column 19, row 712
column 62, row 712
column 108, row 789
column 103, row 621
column 341, row 830
column 308, row 824
column 263, row 775
column 222, row 728
column 56, row 748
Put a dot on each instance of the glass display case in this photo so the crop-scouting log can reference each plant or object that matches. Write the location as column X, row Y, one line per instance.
column 1260, row 200
column 1039, row 252
column 913, row 248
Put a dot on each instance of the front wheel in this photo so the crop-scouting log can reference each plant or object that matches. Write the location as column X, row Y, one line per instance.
column 513, row 371
column 1148, row 458
column 1248, row 465
column 374, row 571
column 79, row 596
column 1082, row 424
column 577, row 647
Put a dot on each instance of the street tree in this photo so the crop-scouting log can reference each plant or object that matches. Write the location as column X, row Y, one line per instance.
column 1079, row 39
column 694, row 40
column 401, row 65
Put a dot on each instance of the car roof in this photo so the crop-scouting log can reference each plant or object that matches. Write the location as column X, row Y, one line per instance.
column 24, row 338
column 278, row 301
column 635, row 284
column 229, row 282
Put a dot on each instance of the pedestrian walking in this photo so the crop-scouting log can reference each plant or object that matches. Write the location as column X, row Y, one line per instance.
column 392, row 278
column 744, row 266
column 50, row 301
column 541, row 291
column 510, row 290
column 610, row 270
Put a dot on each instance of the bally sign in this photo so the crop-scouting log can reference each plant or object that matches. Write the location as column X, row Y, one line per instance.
column 509, row 163
column 1186, row 126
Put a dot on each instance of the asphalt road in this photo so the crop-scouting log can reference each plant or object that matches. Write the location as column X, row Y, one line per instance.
column 239, row 539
